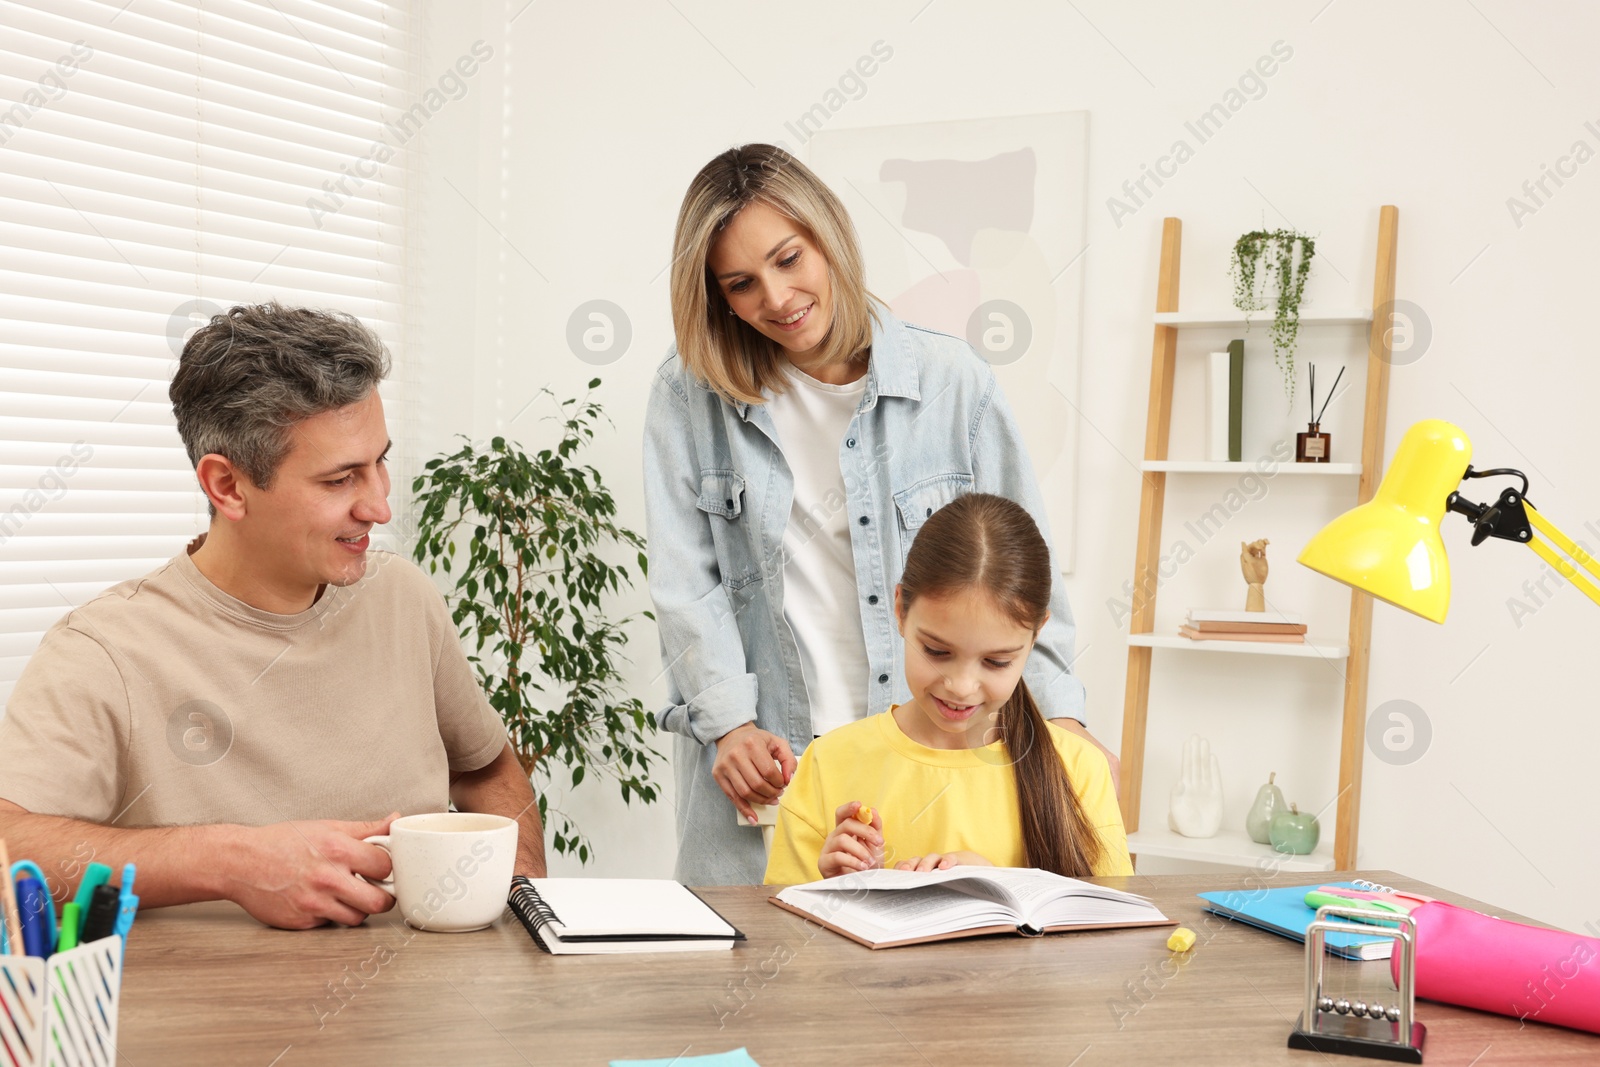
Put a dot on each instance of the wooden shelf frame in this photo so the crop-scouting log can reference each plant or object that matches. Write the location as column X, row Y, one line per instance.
column 1152, row 499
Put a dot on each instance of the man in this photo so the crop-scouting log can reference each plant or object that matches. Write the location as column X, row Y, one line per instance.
column 236, row 721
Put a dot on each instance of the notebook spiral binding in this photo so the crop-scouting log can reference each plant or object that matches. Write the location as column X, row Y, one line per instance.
column 530, row 906
column 1373, row 887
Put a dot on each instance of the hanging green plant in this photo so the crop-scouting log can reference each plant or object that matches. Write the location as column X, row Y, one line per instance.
column 534, row 592
column 1262, row 258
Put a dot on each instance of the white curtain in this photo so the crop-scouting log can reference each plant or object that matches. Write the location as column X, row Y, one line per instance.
column 159, row 161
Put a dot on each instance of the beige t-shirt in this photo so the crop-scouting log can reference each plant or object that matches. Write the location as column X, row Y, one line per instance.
column 165, row 701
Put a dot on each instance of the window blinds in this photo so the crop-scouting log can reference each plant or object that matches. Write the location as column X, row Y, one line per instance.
column 160, row 161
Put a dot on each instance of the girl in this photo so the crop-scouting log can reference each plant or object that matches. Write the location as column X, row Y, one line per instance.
column 797, row 436
column 967, row 770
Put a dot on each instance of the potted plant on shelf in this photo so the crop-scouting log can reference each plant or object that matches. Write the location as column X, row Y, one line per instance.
column 537, row 531
column 1264, row 260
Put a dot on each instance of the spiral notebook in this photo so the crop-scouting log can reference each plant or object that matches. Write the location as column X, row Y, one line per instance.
column 608, row 915
column 1284, row 911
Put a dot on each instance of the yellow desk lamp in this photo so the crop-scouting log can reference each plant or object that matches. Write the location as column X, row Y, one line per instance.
column 1390, row 546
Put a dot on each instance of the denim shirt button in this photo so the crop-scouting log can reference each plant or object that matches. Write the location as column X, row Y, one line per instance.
column 873, row 599
column 728, row 504
column 883, row 678
column 850, row 442
column 929, row 515
column 865, row 520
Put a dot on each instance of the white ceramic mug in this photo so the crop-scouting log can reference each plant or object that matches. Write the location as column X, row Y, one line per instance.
column 452, row 869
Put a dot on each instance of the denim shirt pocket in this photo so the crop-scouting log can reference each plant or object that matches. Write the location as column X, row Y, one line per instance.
column 722, row 499
column 917, row 504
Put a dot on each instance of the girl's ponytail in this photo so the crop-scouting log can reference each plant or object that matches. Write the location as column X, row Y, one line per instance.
column 1055, row 835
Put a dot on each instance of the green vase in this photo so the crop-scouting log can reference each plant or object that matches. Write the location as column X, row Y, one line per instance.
column 1258, row 820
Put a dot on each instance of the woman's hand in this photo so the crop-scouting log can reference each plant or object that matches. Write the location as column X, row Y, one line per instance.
column 854, row 845
column 752, row 767
column 942, row 861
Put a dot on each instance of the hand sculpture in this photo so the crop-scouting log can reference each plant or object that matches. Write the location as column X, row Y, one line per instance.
column 1196, row 809
column 1253, row 561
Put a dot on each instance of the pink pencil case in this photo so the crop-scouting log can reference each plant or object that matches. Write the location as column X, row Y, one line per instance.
column 1477, row 961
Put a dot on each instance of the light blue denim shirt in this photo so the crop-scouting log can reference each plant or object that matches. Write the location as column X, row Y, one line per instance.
column 931, row 426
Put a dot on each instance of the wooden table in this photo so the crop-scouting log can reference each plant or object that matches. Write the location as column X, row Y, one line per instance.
column 206, row 984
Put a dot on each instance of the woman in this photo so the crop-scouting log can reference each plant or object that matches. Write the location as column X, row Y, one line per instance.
column 797, row 437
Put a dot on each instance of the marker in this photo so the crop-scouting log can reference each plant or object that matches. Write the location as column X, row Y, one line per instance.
column 102, row 919
column 45, row 907
column 94, row 876
column 70, row 920
column 31, row 896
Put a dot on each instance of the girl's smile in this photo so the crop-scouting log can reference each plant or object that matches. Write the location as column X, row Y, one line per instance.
column 964, row 657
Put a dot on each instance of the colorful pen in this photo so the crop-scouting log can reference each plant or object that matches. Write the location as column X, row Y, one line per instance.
column 70, row 920
column 47, row 906
column 31, row 896
column 94, row 876
column 102, row 918
column 127, row 905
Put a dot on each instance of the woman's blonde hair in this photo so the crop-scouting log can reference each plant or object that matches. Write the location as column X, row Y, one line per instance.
column 719, row 348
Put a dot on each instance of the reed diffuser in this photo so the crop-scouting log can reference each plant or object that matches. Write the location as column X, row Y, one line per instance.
column 1314, row 446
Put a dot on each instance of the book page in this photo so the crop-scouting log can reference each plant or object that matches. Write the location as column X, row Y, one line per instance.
column 915, row 908
column 889, row 915
column 1028, row 896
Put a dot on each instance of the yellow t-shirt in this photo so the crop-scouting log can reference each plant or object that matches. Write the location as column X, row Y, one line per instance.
column 930, row 799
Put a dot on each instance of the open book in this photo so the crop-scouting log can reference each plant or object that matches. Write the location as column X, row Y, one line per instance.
column 886, row 909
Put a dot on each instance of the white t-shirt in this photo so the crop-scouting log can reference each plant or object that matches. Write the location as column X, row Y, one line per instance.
column 820, row 599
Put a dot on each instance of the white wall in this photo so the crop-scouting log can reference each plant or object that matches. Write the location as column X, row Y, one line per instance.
column 579, row 136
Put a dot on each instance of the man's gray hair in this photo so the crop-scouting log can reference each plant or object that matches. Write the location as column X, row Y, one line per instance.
column 246, row 377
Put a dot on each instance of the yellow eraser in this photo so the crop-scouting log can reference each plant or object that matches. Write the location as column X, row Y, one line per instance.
column 864, row 814
column 1182, row 939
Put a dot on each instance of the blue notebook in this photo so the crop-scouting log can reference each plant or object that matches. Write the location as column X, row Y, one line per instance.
column 1285, row 912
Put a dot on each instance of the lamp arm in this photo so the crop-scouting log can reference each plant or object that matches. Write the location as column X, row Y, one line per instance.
column 1513, row 518
column 1567, row 545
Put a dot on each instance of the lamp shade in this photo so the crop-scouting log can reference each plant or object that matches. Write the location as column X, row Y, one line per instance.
column 1390, row 546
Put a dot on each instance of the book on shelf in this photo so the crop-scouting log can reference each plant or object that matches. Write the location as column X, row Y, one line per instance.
column 1272, row 638
column 610, row 915
column 1248, row 627
column 1202, row 615
column 1236, row 400
column 1224, row 401
column 1284, row 912
column 887, row 909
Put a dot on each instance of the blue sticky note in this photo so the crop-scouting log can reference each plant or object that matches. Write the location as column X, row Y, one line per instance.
column 739, row 1057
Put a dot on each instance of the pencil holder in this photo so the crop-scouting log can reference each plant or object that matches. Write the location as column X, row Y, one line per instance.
column 62, row 1011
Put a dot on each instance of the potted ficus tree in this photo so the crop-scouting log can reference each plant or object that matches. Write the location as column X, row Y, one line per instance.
column 530, row 540
column 1274, row 263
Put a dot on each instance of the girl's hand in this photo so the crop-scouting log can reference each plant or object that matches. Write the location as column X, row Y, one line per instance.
column 853, row 845
column 752, row 767
column 942, row 861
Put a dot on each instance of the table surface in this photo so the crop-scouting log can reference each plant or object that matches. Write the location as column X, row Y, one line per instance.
column 206, row 984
